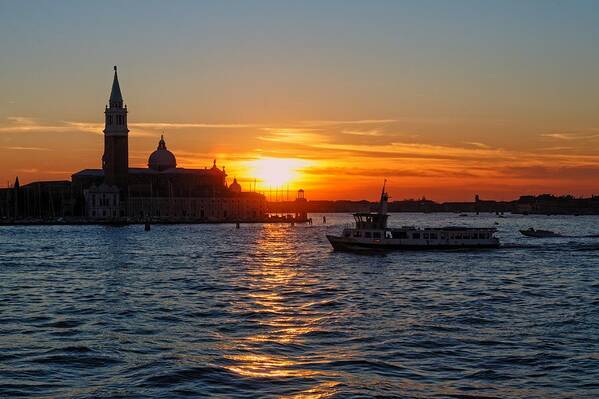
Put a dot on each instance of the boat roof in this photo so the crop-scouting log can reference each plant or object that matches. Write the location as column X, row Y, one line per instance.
column 446, row 228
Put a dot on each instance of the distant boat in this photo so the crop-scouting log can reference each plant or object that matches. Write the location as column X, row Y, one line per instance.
column 539, row 233
column 371, row 233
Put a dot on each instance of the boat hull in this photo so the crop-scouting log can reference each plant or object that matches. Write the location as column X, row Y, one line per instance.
column 344, row 244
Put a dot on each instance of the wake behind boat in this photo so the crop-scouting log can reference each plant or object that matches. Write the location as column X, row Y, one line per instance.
column 540, row 233
column 371, row 232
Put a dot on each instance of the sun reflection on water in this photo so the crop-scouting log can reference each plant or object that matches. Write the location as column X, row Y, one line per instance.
column 321, row 391
column 263, row 366
column 283, row 319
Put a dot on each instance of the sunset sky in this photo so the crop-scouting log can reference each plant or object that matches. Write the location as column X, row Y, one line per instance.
column 445, row 99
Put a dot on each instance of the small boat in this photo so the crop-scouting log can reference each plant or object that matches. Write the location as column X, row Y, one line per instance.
column 371, row 233
column 539, row 233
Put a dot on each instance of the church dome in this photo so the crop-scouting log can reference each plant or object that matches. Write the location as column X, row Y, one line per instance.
column 235, row 187
column 162, row 159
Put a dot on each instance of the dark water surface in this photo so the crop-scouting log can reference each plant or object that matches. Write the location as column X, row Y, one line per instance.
column 271, row 311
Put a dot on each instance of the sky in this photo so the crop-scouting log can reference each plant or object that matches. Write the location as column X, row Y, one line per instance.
column 445, row 99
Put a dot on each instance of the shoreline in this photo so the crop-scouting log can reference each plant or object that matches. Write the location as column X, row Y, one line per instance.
column 128, row 223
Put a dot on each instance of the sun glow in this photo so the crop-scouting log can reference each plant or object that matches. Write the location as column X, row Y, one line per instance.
column 276, row 172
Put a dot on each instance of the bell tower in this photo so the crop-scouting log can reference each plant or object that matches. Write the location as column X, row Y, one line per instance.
column 115, row 161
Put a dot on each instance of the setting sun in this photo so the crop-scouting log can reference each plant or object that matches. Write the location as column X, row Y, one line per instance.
column 275, row 172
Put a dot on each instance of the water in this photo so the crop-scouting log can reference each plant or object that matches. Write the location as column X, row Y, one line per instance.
column 271, row 311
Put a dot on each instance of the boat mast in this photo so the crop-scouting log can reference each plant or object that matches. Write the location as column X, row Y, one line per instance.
column 384, row 198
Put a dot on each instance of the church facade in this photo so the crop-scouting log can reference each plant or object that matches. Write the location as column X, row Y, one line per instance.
column 160, row 192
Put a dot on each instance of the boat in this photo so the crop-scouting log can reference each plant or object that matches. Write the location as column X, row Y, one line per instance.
column 539, row 233
column 371, row 232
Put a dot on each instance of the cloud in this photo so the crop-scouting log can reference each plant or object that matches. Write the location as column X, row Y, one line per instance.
column 45, row 171
column 557, row 148
column 179, row 125
column 476, row 144
column 553, row 172
column 146, row 129
column 560, row 136
column 97, row 128
column 348, row 122
column 350, row 149
column 293, row 136
column 346, row 154
column 91, row 127
column 570, row 136
column 390, row 173
column 27, row 124
column 23, row 124
column 21, row 120
column 369, row 133
column 17, row 148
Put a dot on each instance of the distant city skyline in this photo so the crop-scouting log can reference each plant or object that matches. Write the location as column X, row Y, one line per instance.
column 445, row 99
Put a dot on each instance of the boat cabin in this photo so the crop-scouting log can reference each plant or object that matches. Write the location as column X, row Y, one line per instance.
column 370, row 221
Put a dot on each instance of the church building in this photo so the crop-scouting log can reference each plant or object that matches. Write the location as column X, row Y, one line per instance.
column 162, row 190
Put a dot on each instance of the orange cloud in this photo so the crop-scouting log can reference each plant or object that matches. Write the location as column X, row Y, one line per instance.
column 333, row 158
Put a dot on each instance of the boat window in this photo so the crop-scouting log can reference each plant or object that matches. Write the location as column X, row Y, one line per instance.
column 416, row 236
column 399, row 234
column 367, row 234
column 376, row 235
column 425, row 236
column 433, row 236
column 357, row 234
column 458, row 236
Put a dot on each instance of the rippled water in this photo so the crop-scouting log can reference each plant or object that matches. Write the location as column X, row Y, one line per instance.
column 271, row 311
